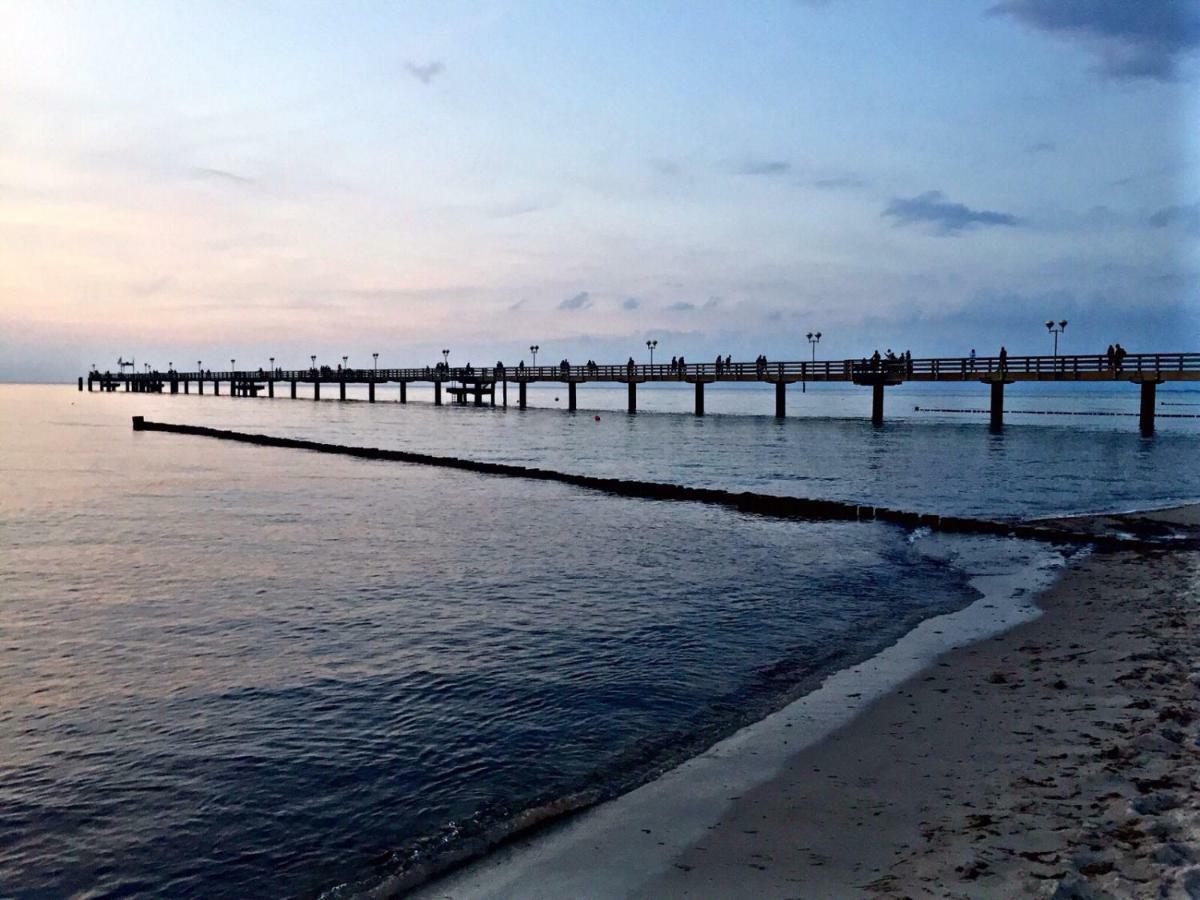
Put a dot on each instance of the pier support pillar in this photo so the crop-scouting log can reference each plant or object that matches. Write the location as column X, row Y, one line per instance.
column 89, row 384
column 293, row 388
column 997, row 405
column 371, row 392
column 342, row 390
column 633, row 396
column 571, row 396
column 877, row 404
column 81, row 383
column 493, row 395
column 478, row 394
column 200, row 386
column 521, row 401
column 780, row 400
column 271, row 388
column 1146, row 415
column 504, row 392
column 437, row 393
column 216, row 388
column 186, row 387
column 316, row 390
column 404, row 392
column 699, row 398
column 174, row 386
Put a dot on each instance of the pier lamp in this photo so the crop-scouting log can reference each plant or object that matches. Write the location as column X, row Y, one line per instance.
column 1056, row 328
column 813, row 340
column 446, row 358
column 344, row 364
column 199, row 366
column 534, row 348
column 170, row 367
column 650, row 345
column 313, row 357
column 272, row 365
column 233, row 365
column 375, row 356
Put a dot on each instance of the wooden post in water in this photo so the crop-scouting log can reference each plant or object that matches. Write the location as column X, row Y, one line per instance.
column 1146, row 414
column 571, row 396
column 877, row 404
column 504, row 391
column 293, row 388
column 342, row 389
column 317, row 388
column 271, row 388
column 997, row 405
column 200, row 386
column 699, row 398
column 216, row 387
column 437, row 393
column 478, row 393
column 371, row 392
column 632, row 396
column 521, row 394
column 780, row 399
column 185, row 386
column 404, row 392
column 81, row 383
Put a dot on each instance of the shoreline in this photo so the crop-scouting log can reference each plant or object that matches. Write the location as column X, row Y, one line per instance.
column 752, row 814
column 677, row 808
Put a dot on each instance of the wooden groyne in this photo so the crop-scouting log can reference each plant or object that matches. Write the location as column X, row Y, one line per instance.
column 798, row 508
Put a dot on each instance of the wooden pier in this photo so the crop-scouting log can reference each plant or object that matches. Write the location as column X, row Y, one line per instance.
column 480, row 385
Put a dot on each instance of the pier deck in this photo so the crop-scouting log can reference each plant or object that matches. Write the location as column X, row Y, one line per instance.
column 1147, row 370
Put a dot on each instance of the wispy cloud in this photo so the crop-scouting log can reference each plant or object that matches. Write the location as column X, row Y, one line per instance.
column 666, row 166
column 932, row 208
column 764, row 167
column 221, row 175
column 1132, row 38
column 515, row 306
column 425, row 72
column 631, row 303
column 582, row 300
column 688, row 306
column 1185, row 216
column 1042, row 147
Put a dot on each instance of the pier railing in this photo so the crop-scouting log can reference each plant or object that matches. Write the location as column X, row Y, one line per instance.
column 925, row 369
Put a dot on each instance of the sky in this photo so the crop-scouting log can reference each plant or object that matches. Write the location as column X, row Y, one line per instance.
column 212, row 181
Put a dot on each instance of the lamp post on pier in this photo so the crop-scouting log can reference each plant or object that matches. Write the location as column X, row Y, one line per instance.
column 534, row 348
column 375, row 357
column 1056, row 328
column 813, row 340
column 272, row 365
column 650, row 345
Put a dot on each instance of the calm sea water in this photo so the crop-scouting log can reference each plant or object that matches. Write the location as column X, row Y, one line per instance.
column 236, row 671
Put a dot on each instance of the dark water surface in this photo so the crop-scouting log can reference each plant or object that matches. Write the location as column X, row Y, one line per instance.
column 235, row 671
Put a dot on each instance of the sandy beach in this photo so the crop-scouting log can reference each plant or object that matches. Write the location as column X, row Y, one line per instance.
column 1058, row 758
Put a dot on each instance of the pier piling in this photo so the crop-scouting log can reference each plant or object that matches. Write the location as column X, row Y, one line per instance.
column 521, row 395
column 316, row 389
column 699, row 398
column 632, row 397
column 1146, row 414
column 997, row 421
column 370, row 391
column 571, row 396
column 780, row 400
column 437, row 393
column 877, row 404
column 404, row 392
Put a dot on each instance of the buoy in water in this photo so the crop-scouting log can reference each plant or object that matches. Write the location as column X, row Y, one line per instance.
column 596, row 418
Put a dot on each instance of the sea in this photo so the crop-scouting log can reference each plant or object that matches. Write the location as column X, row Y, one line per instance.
column 231, row 671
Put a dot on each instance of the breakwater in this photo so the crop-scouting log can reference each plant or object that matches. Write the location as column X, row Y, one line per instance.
column 800, row 508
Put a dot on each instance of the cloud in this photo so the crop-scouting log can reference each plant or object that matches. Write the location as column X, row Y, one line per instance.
column 666, row 167
column 1042, row 147
column 427, row 72
column 947, row 218
column 515, row 306
column 1132, row 38
column 221, row 175
column 1186, row 216
column 582, row 300
column 767, row 167
column 631, row 303
column 686, row 306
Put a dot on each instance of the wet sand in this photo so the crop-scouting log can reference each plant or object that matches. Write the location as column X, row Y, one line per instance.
column 1058, row 759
